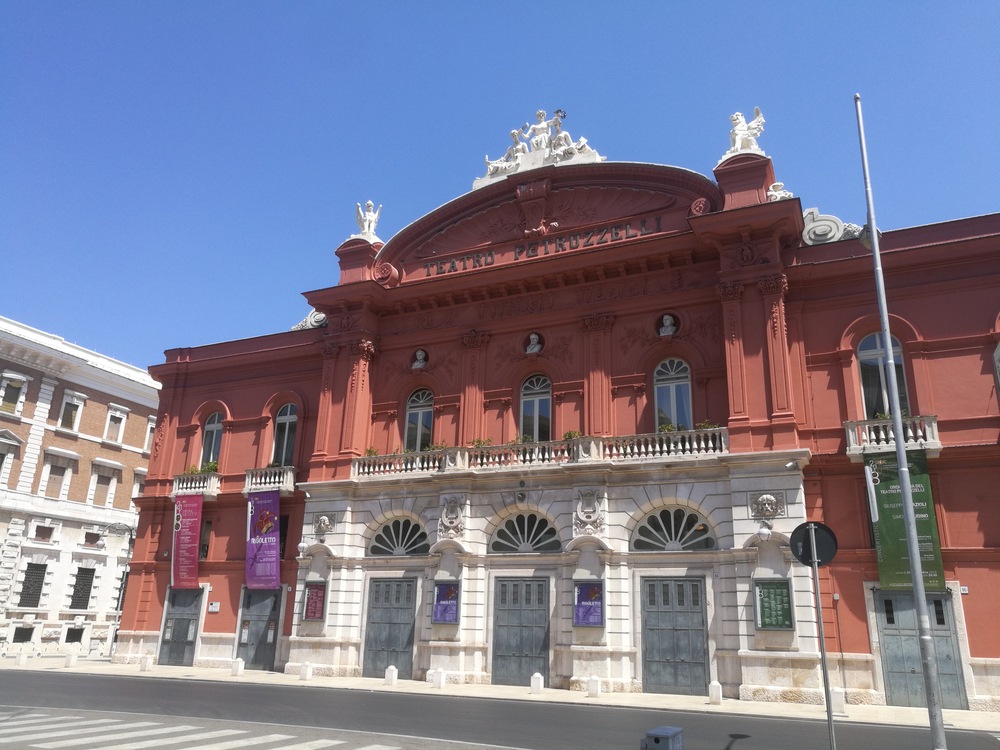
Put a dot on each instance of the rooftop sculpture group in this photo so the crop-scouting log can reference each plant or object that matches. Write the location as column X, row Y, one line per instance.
column 549, row 144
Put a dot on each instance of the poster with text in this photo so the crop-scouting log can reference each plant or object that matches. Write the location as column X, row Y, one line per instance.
column 263, row 570
column 445, row 603
column 588, row 612
column 187, row 533
column 890, row 531
column 315, row 601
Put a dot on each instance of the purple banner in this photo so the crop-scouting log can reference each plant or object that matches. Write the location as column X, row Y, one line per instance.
column 263, row 570
column 445, row 603
column 187, row 533
column 588, row 612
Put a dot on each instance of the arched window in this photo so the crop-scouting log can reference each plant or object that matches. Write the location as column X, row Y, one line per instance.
column 672, row 530
column 211, row 439
column 419, row 418
column 525, row 532
column 536, row 409
column 400, row 537
column 672, row 385
column 872, row 359
column 284, row 435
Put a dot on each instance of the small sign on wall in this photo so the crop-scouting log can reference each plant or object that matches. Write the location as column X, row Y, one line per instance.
column 214, row 606
column 446, row 603
column 315, row 601
column 773, row 604
column 588, row 607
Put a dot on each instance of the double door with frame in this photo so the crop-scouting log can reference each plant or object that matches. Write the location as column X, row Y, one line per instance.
column 180, row 627
column 674, row 636
column 258, row 628
column 520, row 630
column 389, row 627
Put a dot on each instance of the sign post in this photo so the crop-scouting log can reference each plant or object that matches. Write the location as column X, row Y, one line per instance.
column 815, row 544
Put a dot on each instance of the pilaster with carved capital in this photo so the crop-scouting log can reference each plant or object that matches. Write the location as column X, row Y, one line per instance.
column 773, row 289
column 328, row 350
column 731, row 294
column 472, row 420
column 730, row 291
column 597, row 356
column 357, row 399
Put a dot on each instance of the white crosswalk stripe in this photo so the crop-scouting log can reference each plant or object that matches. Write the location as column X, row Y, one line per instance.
column 164, row 741
column 35, row 735
column 28, row 730
column 28, row 722
column 312, row 745
column 18, row 718
column 379, row 747
column 244, row 742
column 119, row 736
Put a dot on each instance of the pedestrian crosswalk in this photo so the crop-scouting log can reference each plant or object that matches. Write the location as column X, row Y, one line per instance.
column 54, row 731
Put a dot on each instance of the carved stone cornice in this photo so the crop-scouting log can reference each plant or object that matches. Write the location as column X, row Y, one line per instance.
column 730, row 291
column 473, row 340
column 364, row 349
column 771, row 285
column 593, row 323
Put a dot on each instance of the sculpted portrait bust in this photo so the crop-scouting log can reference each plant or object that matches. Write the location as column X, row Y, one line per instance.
column 421, row 360
column 669, row 326
column 534, row 345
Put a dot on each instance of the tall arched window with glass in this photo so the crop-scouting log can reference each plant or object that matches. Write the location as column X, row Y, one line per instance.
column 872, row 359
column 284, row 435
column 419, row 420
column 536, row 409
column 672, row 387
column 211, row 439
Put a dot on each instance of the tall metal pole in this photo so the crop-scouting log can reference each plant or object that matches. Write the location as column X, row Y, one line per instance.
column 822, row 639
column 928, row 656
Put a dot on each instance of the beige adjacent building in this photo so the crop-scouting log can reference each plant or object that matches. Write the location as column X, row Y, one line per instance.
column 76, row 428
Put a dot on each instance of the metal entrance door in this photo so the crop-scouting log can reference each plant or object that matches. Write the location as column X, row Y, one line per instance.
column 520, row 630
column 180, row 627
column 389, row 633
column 674, row 653
column 257, row 630
column 897, row 629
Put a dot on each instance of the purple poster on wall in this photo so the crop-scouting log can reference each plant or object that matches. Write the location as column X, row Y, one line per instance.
column 588, row 612
column 263, row 541
column 187, row 533
column 445, row 603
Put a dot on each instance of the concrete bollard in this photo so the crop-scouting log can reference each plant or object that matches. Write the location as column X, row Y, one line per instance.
column 306, row 671
column 391, row 675
column 536, row 683
column 238, row 666
column 440, row 679
column 430, row 675
column 71, row 659
column 594, row 687
column 146, row 663
column 838, row 700
column 715, row 693
column 21, row 660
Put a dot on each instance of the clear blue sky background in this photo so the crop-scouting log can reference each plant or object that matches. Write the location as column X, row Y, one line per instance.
column 177, row 173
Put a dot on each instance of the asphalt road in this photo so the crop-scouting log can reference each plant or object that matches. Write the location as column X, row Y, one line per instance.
column 514, row 724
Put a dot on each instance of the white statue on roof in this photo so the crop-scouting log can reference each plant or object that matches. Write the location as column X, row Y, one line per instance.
column 510, row 159
column 743, row 136
column 367, row 221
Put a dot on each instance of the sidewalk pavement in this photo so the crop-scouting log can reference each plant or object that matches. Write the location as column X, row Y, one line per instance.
column 972, row 720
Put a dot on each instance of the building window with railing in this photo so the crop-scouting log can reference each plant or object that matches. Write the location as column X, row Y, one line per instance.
column 872, row 359
column 536, row 409
column 672, row 389
column 284, row 435
column 211, row 439
column 419, row 420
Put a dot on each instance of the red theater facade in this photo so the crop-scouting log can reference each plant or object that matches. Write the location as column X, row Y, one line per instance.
column 564, row 425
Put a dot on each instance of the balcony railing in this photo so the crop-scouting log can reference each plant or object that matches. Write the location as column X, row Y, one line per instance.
column 196, row 484
column 280, row 478
column 666, row 446
column 878, row 436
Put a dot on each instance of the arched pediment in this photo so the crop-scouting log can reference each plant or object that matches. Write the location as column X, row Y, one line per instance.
column 546, row 212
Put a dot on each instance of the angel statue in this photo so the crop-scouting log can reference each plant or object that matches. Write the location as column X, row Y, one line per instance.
column 368, row 219
column 743, row 136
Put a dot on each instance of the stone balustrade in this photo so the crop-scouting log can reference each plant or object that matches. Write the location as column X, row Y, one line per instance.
column 197, row 484
column 878, row 436
column 664, row 446
column 280, row 478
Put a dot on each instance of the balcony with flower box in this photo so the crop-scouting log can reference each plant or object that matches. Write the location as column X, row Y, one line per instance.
column 878, row 436
column 280, row 478
column 661, row 447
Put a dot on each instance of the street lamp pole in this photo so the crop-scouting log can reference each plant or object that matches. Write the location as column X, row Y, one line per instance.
column 928, row 657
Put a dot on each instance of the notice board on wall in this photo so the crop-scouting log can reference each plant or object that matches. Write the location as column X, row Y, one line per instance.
column 773, row 604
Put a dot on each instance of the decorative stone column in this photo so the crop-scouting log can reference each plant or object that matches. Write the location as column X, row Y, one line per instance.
column 473, row 370
column 357, row 399
column 597, row 359
column 731, row 293
column 773, row 289
column 324, row 415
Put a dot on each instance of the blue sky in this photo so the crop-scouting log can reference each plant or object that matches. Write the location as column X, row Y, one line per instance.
column 177, row 173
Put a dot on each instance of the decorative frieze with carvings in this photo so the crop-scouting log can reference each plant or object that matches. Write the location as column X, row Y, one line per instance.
column 594, row 323
column 474, row 340
column 770, row 285
column 364, row 349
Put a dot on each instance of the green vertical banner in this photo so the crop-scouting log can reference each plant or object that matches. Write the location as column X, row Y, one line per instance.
column 890, row 531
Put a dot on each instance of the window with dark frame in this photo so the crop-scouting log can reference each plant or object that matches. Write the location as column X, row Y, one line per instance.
column 31, row 587
column 74, row 635
column 91, row 538
column 22, row 635
column 43, row 533
column 81, row 588
column 282, row 535
column 205, row 538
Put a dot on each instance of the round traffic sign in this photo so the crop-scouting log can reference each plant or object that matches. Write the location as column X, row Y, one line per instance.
column 826, row 543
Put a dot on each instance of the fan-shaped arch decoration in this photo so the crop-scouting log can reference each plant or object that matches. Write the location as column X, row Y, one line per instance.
column 400, row 537
column 672, row 530
column 525, row 532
